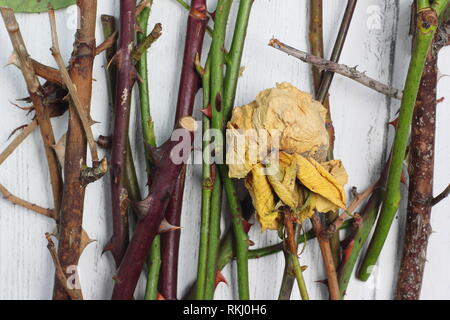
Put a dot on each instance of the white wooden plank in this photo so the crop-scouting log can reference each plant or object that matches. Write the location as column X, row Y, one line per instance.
column 360, row 118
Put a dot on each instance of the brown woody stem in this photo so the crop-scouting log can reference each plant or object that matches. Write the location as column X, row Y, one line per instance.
column 80, row 71
column 420, row 198
column 36, row 95
column 342, row 69
column 80, row 108
column 26, row 204
column 324, row 243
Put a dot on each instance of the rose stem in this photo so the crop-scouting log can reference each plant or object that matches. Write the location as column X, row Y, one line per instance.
column 190, row 83
column 421, row 150
column 207, row 186
column 233, row 64
column 80, row 70
column 427, row 19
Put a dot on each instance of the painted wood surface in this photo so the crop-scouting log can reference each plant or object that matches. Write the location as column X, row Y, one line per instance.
column 378, row 43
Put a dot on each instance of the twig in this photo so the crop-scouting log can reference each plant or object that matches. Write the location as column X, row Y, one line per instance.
column 48, row 73
column 74, row 294
column 324, row 243
column 149, row 139
column 107, row 44
column 81, row 110
column 444, row 194
column 42, row 113
column 190, row 84
column 356, row 202
column 147, row 42
column 80, row 70
column 327, row 77
column 126, row 76
column 26, row 204
column 427, row 19
column 291, row 247
column 317, row 49
column 342, row 69
column 18, row 140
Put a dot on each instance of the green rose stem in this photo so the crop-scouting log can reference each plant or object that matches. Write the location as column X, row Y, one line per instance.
column 213, row 239
column 233, row 63
column 217, row 58
column 427, row 19
column 149, row 139
column 359, row 234
column 222, row 99
column 207, row 187
column 234, row 57
column 421, row 160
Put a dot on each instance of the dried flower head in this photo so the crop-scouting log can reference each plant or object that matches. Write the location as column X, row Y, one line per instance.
column 282, row 159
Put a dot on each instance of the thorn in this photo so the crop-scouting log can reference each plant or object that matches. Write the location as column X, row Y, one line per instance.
column 159, row 296
column 13, row 60
column 207, row 111
column 394, row 123
column 92, row 122
column 85, row 240
column 157, row 154
column 220, row 278
column 141, row 207
column 165, row 227
column 27, row 99
column 440, row 100
column 247, row 225
column 403, row 179
column 325, row 282
column 60, row 149
column 17, row 129
column 108, row 247
column 29, row 109
column 250, row 243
